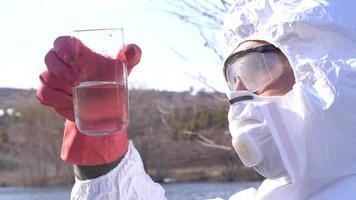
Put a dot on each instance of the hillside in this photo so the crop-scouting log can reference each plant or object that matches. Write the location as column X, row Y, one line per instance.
column 176, row 134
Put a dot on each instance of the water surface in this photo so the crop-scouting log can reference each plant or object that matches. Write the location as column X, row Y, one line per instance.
column 174, row 191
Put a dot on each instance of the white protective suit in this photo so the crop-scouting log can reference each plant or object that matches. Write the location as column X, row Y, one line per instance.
column 313, row 126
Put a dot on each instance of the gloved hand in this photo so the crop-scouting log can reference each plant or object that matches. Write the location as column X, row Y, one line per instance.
column 55, row 91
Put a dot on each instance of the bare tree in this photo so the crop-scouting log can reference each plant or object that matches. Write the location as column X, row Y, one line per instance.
column 197, row 122
column 206, row 16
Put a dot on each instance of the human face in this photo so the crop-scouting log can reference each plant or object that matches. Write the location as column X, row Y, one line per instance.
column 276, row 87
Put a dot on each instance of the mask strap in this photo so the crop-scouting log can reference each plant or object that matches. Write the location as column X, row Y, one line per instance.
column 240, row 98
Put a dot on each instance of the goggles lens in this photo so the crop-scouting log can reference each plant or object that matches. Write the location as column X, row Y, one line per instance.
column 255, row 67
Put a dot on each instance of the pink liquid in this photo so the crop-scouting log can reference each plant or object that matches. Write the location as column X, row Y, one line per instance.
column 101, row 107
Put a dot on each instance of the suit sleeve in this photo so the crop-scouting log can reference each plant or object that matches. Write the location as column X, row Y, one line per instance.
column 128, row 180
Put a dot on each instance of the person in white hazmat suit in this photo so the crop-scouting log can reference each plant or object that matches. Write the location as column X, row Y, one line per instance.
column 291, row 70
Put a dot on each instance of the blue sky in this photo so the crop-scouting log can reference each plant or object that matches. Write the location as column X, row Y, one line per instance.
column 28, row 29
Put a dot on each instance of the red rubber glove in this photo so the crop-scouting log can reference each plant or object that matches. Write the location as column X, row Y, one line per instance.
column 55, row 91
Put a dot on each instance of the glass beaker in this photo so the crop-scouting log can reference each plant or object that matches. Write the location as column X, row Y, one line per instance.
column 101, row 95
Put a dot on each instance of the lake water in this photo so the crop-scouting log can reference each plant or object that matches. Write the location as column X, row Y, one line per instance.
column 174, row 191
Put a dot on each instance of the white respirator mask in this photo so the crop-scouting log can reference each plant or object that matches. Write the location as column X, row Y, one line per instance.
column 251, row 136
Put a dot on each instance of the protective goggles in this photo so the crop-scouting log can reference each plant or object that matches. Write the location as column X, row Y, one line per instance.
column 255, row 67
